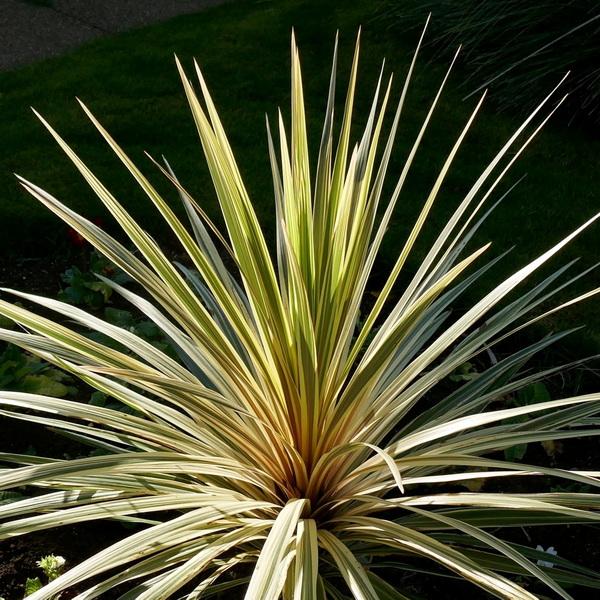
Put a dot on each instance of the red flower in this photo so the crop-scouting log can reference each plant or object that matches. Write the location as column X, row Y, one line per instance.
column 76, row 238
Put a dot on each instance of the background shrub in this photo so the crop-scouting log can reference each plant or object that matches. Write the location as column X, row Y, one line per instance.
column 518, row 47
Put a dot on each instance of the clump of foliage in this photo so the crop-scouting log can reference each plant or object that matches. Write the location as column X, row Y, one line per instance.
column 52, row 566
column 293, row 442
column 24, row 372
column 83, row 287
column 517, row 47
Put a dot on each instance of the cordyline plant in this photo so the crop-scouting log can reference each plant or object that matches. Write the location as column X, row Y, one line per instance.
column 294, row 444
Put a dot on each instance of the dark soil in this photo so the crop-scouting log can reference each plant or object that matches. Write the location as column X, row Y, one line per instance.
column 34, row 275
column 76, row 543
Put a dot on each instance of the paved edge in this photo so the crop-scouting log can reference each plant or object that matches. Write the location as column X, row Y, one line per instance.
column 32, row 30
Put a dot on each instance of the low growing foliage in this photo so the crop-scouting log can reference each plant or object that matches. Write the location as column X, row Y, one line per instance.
column 86, row 288
column 20, row 371
column 52, row 566
column 286, row 443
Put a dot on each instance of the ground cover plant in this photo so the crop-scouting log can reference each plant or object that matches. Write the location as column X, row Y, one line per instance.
column 293, row 435
column 52, row 566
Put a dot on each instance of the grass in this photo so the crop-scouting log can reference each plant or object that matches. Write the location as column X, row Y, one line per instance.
column 130, row 82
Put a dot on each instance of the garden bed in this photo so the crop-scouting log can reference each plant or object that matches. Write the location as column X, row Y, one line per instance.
column 18, row 556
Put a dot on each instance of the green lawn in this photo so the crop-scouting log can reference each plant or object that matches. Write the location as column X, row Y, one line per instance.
column 130, row 83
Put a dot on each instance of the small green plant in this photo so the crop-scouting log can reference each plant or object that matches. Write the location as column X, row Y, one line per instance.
column 573, row 487
column 86, row 288
column 53, row 567
column 465, row 372
column 25, row 372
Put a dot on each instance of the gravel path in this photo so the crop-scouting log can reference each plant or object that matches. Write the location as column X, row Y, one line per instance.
column 32, row 30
